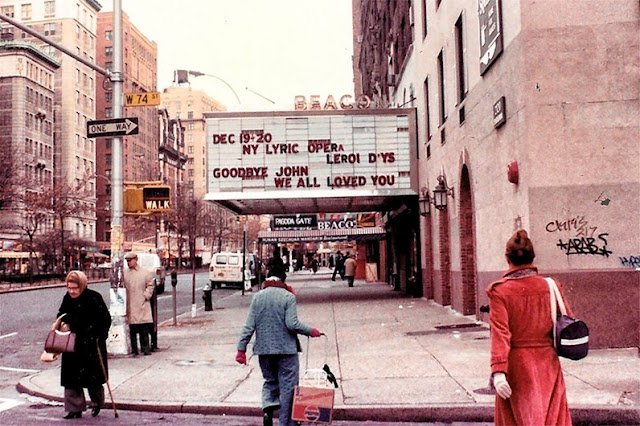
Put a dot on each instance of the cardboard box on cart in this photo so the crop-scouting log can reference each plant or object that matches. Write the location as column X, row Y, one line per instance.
column 313, row 404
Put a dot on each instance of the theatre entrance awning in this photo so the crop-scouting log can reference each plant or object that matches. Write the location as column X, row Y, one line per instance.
column 320, row 201
column 311, row 235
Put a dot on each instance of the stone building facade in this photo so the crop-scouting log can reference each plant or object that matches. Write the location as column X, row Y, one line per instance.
column 528, row 114
column 27, row 90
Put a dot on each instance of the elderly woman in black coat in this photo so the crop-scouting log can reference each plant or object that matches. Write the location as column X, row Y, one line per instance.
column 85, row 313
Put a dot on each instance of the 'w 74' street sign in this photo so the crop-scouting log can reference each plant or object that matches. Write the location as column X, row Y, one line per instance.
column 113, row 127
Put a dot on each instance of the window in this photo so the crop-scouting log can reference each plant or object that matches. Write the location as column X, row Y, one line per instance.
column 49, row 8
column 108, row 66
column 49, row 29
column 108, row 51
column 108, row 35
column 441, row 87
column 460, row 65
column 190, row 126
column 108, row 112
column 108, row 97
column 190, row 115
column 190, row 150
column 25, row 11
column 427, row 118
column 8, row 11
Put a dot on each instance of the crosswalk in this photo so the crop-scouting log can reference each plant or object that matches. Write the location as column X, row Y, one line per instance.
column 8, row 404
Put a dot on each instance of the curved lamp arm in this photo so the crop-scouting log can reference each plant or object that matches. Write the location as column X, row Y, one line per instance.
column 198, row 74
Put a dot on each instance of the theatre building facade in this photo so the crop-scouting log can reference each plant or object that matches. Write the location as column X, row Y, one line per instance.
column 527, row 117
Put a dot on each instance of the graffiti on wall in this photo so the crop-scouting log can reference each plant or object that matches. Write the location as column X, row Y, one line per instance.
column 630, row 262
column 585, row 240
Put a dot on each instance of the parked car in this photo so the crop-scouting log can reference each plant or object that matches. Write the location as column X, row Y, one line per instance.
column 152, row 262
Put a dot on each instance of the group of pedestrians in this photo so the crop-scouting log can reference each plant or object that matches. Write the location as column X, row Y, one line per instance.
column 84, row 312
column 345, row 266
column 525, row 369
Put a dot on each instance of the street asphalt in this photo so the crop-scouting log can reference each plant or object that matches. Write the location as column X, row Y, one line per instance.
column 396, row 359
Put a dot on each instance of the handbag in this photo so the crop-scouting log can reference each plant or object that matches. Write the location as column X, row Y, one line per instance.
column 570, row 335
column 60, row 341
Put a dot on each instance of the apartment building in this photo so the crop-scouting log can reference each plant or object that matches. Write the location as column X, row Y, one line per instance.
column 27, row 91
column 141, row 151
column 71, row 23
column 527, row 118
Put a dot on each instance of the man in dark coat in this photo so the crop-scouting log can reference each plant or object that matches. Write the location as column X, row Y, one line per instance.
column 85, row 314
column 339, row 269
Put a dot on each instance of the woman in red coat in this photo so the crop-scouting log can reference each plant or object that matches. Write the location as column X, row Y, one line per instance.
column 525, row 368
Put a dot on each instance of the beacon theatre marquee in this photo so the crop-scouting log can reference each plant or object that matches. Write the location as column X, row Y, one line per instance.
column 311, row 160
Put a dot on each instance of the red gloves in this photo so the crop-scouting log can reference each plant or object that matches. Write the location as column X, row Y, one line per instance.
column 241, row 358
column 315, row 332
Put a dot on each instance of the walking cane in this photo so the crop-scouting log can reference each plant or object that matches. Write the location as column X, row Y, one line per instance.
column 104, row 372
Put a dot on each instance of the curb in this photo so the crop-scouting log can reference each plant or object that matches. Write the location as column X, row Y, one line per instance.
column 444, row 413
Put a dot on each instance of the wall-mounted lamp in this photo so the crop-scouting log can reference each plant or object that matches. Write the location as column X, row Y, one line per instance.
column 424, row 203
column 440, row 193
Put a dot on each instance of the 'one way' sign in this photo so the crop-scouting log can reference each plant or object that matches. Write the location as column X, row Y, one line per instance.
column 114, row 127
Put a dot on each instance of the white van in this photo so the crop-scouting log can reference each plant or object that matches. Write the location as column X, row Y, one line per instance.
column 226, row 268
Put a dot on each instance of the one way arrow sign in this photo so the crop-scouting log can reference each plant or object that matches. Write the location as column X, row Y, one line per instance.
column 115, row 127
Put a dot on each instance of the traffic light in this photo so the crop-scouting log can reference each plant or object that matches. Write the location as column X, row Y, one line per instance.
column 156, row 198
column 133, row 200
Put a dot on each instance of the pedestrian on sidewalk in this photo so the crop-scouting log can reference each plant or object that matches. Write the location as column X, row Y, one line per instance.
column 525, row 368
column 84, row 313
column 350, row 268
column 339, row 266
column 273, row 317
column 139, row 284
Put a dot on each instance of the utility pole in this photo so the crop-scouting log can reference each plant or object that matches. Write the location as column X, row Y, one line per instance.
column 119, row 326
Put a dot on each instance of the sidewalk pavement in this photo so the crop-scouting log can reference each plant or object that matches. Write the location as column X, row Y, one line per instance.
column 396, row 359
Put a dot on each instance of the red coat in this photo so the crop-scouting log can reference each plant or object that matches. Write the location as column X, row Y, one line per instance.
column 521, row 347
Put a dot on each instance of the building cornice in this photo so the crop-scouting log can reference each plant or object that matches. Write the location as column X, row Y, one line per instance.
column 16, row 45
column 93, row 3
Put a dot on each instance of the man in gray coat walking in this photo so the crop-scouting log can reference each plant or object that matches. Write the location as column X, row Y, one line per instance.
column 273, row 317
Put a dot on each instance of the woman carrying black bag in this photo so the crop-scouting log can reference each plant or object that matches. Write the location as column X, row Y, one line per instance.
column 86, row 315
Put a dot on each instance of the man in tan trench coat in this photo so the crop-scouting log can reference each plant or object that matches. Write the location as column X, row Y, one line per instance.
column 139, row 284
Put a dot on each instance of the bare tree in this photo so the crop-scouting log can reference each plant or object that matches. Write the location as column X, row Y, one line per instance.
column 34, row 213
column 222, row 226
column 9, row 177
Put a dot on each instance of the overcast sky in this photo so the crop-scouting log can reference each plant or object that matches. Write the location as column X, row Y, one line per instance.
column 278, row 48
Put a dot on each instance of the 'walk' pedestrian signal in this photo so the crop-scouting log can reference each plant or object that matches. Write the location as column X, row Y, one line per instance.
column 156, row 198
